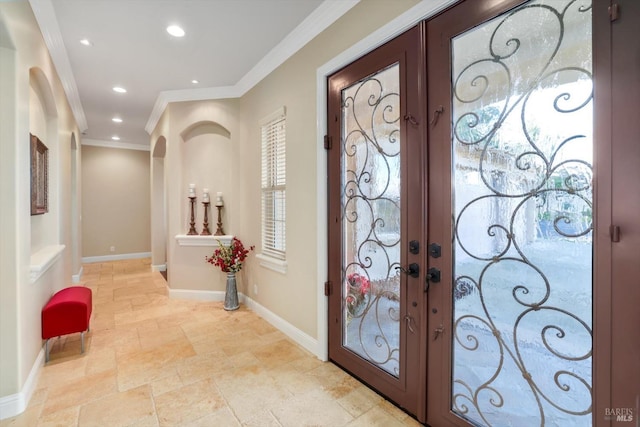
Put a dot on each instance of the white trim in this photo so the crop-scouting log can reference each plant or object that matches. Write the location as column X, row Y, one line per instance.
column 15, row 404
column 301, row 338
column 43, row 260
column 76, row 277
column 119, row 257
column 319, row 20
column 158, row 267
column 278, row 114
column 46, row 17
column 421, row 11
column 272, row 263
column 114, row 144
column 198, row 240
column 195, row 295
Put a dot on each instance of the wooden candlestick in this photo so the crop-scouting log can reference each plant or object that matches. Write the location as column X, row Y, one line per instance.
column 219, row 231
column 192, row 230
column 205, row 226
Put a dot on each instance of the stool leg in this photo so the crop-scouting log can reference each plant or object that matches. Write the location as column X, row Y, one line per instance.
column 82, row 342
column 46, row 350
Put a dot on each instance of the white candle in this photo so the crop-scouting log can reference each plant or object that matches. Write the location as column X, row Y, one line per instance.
column 219, row 199
column 192, row 190
column 205, row 195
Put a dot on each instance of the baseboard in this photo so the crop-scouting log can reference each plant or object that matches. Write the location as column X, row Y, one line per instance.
column 301, row 338
column 76, row 277
column 197, row 295
column 119, row 257
column 159, row 267
column 15, row 404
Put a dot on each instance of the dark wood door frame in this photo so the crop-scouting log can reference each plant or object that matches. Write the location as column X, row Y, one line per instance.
column 409, row 390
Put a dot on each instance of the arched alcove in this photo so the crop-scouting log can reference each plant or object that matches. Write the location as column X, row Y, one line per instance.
column 76, row 248
column 206, row 155
column 158, row 206
column 43, row 122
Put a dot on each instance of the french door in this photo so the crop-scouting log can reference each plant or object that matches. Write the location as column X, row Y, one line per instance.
column 512, row 149
column 473, row 197
column 377, row 300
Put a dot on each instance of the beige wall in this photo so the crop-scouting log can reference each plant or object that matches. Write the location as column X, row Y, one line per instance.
column 292, row 296
column 293, row 85
column 116, row 208
column 31, row 100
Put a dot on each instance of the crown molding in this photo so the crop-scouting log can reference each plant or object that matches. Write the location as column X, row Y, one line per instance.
column 322, row 17
column 114, row 144
column 48, row 23
column 168, row 96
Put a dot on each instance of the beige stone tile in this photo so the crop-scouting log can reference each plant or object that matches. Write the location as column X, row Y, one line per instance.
column 202, row 366
column 152, row 337
column 278, row 353
column 263, row 418
column 80, row 391
column 221, row 417
column 59, row 372
column 360, row 400
column 316, row 408
column 188, row 403
column 376, row 417
column 64, row 417
column 28, row 418
column 156, row 361
column 132, row 407
column 166, row 384
column 103, row 360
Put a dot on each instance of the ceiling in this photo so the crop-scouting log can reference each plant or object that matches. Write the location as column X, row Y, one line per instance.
column 229, row 46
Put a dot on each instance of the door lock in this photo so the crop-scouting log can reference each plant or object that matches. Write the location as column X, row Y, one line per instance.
column 433, row 275
column 413, row 270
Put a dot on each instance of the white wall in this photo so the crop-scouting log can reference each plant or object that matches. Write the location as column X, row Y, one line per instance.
column 31, row 100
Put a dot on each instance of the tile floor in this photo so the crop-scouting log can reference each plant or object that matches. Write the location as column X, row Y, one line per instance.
column 155, row 361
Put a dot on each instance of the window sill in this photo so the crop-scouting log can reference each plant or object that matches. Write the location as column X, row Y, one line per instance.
column 272, row 264
column 197, row 240
column 42, row 260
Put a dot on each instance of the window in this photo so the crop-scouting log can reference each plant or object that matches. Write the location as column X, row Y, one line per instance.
column 274, row 189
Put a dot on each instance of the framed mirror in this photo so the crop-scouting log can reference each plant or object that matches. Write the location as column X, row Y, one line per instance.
column 39, row 176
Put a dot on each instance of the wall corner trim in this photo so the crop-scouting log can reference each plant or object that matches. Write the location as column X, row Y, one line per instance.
column 15, row 404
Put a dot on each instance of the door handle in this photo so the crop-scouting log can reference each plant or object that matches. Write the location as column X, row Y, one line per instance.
column 413, row 270
column 433, row 275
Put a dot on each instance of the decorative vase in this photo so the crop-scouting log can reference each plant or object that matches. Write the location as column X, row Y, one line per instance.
column 231, row 294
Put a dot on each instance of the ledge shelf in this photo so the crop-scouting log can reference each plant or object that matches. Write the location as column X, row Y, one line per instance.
column 42, row 260
column 197, row 240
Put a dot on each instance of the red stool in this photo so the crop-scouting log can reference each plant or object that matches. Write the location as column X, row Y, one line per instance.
column 67, row 312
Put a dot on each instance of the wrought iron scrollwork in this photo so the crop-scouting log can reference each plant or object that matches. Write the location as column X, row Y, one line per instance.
column 371, row 215
column 532, row 187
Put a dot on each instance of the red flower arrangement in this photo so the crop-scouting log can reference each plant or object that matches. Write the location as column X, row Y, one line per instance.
column 229, row 258
column 357, row 287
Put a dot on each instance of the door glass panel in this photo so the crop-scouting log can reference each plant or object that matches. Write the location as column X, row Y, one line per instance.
column 370, row 200
column 522, row 217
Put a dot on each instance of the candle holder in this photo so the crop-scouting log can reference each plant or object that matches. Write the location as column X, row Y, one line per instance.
column 205, row 225
column 219, row 231
column 192, row 230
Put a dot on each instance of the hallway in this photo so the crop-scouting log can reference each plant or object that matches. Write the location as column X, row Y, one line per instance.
column 153, row 361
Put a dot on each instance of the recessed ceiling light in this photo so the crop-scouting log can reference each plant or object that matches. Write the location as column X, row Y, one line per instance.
column 175, row 31
column 119, row 89
column 195, row 82
column 116, row 120
column 115, row 138
column 86, row 42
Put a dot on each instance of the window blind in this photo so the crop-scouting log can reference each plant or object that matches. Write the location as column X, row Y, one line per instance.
column 274, row 187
